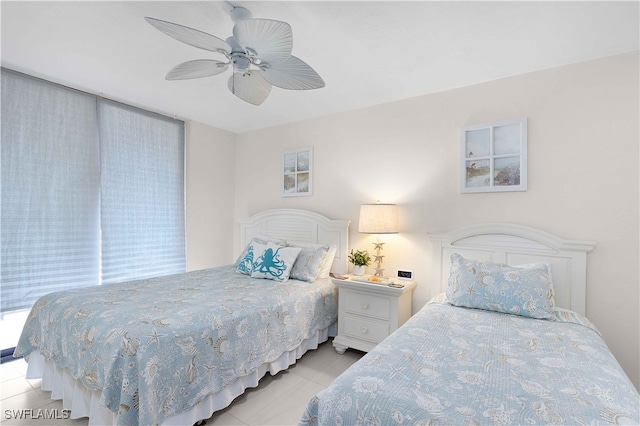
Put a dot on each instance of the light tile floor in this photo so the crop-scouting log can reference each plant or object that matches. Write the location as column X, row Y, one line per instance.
column 278, row 400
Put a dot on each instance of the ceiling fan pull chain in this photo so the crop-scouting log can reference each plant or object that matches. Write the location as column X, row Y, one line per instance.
column 233, row 84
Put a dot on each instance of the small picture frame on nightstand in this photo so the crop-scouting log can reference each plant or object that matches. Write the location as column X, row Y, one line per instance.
column 403, row 274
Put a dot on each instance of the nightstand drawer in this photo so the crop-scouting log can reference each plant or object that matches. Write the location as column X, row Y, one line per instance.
column 361, row 328
column 368, row 313
column 365, row 304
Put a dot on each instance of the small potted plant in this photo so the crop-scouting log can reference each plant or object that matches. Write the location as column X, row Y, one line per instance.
column 360, row 260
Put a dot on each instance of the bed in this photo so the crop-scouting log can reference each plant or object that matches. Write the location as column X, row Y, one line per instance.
column 475, row 354
column 175, row 349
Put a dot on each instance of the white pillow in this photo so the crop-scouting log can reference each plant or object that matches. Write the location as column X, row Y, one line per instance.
column 272, row 261
column 328, row 262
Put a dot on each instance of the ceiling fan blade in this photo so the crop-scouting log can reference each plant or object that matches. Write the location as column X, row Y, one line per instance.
column 293, row 74
column 237, row 12
column 270, row 40
column 196, row 69
column 249, row 86
column 195, row 38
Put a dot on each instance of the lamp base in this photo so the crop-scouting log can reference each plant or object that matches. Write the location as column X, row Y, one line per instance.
column 377, row 246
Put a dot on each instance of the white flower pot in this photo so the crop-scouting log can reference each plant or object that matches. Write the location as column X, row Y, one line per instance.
column 358, row 270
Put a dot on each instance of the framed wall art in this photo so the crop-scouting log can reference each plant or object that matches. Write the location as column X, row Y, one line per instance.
column 494, row 157
column 297, row 178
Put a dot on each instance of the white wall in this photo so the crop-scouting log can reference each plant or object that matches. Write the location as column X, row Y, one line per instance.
column 583, row 175
column 210, row 193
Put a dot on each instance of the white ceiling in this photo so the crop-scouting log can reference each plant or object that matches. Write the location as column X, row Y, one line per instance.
column 368, row 52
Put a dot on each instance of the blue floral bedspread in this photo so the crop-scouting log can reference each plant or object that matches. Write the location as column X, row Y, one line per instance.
column 156, row 347
column 459, row 366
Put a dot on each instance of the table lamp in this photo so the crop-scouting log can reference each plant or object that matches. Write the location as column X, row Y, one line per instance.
column 378, row 219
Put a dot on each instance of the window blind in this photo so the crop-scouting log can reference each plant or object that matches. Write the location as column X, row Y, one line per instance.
column 142, row 193
column 50, row 190
column 92, row 191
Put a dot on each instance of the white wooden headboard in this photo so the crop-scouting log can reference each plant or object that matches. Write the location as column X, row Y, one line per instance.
column 517, row 245
column 300, row 226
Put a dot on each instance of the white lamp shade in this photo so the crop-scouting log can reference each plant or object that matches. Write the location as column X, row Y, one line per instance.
column 378, row 219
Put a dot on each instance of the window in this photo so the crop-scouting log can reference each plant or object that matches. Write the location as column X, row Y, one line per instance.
column 92, row 191
column 494, row 157
column 142, row 193
column 50, row 190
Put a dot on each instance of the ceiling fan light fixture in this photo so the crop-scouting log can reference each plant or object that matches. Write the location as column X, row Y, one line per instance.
column 240, row 62
column 264, row 43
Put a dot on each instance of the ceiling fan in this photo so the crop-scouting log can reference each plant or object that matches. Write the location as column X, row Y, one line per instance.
column 259, row 52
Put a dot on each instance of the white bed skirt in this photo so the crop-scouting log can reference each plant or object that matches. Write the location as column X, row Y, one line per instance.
column 83, row 402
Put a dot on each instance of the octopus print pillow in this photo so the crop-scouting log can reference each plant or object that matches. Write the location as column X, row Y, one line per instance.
column 262, row 239
column 497, row 287
column 272, row 261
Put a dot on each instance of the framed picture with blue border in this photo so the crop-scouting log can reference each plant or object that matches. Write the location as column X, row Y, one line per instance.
column 297, row 177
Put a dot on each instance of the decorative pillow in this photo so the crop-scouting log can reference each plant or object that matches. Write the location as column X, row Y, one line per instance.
column 501, row 288
column 309, row 262
column 328, row 262
column 540, row 265
column 271, row 261
column 262, row 239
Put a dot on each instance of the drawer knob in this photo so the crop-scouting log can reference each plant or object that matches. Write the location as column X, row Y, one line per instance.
column 364, row 330
column 365, row 305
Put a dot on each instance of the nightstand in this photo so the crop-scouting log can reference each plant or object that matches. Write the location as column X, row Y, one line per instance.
column 369, row 312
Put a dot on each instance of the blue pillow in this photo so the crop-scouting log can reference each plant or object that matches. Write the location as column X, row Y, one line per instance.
column 269, row 261
column 309, row 263
column 502, row 288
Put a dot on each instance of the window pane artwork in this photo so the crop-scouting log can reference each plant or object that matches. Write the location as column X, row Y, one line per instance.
column 297, row 177
column 494, row 157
